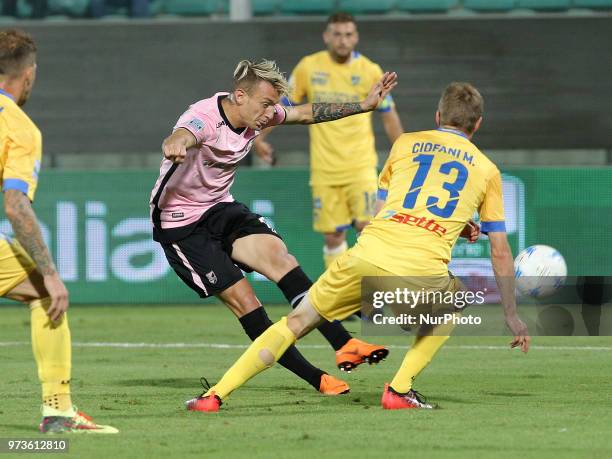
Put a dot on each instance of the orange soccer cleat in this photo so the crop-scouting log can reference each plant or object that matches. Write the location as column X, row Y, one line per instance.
column 356, row 352
column 333, row 386
column 392, row 400
column 208, row 404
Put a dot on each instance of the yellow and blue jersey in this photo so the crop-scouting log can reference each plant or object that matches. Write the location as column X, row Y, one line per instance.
column 342, row 151
column 20, row 148
column 432, row 183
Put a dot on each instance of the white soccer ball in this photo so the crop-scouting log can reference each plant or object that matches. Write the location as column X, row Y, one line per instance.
column 539, row 271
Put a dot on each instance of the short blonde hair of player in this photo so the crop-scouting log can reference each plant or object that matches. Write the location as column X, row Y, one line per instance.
column 461, row 106
column 17, row 51
column 248, row 73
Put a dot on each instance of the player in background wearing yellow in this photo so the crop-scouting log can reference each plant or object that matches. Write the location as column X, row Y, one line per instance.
column 431, row 185
column 27, row 272
column 343, row 155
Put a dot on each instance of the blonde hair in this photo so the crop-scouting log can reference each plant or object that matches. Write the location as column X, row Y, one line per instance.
column 249, row 73
column 17, row 51
column 461, row 105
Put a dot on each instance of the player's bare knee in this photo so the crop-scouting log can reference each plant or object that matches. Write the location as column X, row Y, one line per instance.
column 301, row 321
column 281, row 260
column 294, row 323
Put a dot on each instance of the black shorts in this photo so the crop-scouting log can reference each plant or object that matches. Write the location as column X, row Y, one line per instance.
column 203, row 258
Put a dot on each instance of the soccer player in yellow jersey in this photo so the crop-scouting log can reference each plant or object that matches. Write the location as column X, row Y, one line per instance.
column 343, row 156
column 27, row 272
column 432, row 184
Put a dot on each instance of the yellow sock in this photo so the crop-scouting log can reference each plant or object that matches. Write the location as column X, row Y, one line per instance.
column 52, row 351
column 419, row 356
column 261, row 354
column 329, row 255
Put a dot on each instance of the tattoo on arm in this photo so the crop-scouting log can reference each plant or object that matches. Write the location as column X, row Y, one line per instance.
column 26, row 229
column 329, row 112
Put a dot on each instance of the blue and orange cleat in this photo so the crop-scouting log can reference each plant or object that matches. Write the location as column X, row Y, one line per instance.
column 56, row 422
column 355, row 352
column 392, row 400
column 333, row 386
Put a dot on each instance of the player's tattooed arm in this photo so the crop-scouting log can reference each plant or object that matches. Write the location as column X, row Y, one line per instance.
column 18, row 209
column 27, row 231
column 323, row 112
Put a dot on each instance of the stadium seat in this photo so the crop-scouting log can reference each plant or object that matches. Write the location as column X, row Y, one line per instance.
column 56, row 18
column 366, row 6
column 156, row 7
column 263, row 7
column 489, row 5
column 426, row 6
column 193, row 7
column 544, row 4
column 595, row 4
column 24, row 9
column 307, row 7
column 75, row 8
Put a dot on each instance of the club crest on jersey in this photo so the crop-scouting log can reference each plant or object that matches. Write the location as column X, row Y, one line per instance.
column 355, row 79
column 212, row 277
column 319, row 78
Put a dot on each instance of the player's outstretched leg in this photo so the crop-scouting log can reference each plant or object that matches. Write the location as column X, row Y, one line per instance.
column 350, row 352
column 267, row 254
column 262, row 354
column 241, row 300
column 257, row 321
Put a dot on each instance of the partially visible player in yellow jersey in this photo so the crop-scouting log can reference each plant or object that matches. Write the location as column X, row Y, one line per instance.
column 430, row 187
column 343, row 155
column 27, row 271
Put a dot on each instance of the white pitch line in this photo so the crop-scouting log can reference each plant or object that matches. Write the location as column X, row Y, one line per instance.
column 302, row 346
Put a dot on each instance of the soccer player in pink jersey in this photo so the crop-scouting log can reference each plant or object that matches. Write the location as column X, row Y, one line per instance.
column 209, row 238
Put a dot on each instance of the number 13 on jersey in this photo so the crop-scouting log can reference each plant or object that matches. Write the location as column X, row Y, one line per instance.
column 453, row 188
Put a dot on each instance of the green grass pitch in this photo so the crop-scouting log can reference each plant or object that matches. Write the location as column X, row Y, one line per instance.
column 554, row 402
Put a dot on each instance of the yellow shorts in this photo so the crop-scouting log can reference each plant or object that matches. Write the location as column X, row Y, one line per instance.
column 337, row 293
column 15, row 264
column 336, row 207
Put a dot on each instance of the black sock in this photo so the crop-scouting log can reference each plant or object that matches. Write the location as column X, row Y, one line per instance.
column 256, row 322
column 294, row 286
